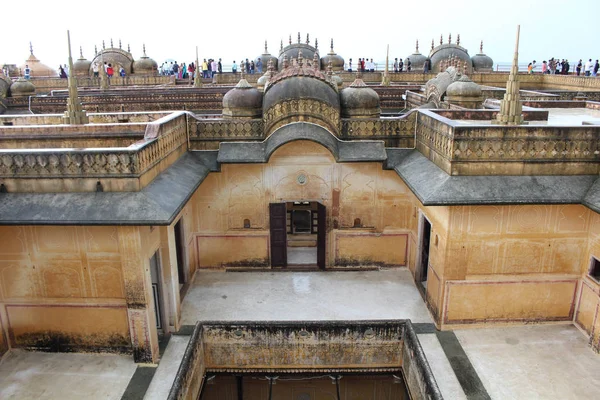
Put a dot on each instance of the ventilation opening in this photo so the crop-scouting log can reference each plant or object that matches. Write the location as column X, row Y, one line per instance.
column 595, row 269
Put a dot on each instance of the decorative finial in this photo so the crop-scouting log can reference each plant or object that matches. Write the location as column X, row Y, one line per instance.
column 441, row 40
column 30, row 48
column 432, row 44
column 316, row 61
column 290, row 39
column 120, row 44
column 316, row 44
column 300, row 59
column 103, row 45
column 449, row 38
column 281, row 46
column 128, row 48
column 307, row 39
column 80, row 52
column 298, row 37
column 286, row 62
column 95, row 50
column 266, row 51
column 330, row 69
column 481, row 48
column 243, row 71
column 331, row 45
column 111, row 43
column 465, row 68
column 144, row 48
column 458, row 39
column 417, row 51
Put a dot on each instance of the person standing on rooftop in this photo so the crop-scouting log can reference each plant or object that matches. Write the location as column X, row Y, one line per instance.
column 595, row 70
column 588, row 67
column 234, row 67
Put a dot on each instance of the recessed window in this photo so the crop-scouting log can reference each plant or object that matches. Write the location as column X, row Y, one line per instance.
column 595, row 269
column 247, row 223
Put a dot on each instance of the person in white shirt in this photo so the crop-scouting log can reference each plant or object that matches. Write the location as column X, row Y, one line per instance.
column 588, row 67
column 95, row 69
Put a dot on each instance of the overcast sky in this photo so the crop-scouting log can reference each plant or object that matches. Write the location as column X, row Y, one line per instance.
column 232, row 29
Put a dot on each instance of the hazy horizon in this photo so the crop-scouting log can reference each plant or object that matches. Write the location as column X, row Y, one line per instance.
column 237, row 30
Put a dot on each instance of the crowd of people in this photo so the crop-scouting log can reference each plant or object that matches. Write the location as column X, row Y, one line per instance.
column 563, row 67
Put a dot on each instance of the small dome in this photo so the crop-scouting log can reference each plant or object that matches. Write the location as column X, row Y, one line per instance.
column 263, row 80
column 265, row 58
column 463, row 87
column 145, row 65
column 481, row 62
column 22, row 87
column 337, row 62
column 37, row 68
column 338, row 80
column 417, row 60
column 447, row 51
column 359, row 101
column 81, row 67
column 293, row 49
column 243, row 101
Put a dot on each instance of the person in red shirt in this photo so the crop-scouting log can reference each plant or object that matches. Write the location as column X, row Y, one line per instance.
column 110, row 71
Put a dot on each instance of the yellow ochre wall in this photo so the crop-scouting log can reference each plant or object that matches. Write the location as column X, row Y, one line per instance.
column 62, row 287
column 349, row 190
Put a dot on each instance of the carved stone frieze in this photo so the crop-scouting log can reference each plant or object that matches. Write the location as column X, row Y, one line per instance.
column 308, row 110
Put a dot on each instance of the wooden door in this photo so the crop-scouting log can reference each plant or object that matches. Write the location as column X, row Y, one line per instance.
column 321, row 235
column 278, row 224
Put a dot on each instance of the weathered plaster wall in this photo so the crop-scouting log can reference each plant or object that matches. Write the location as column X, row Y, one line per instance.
column 349, row 190
column 62, row 288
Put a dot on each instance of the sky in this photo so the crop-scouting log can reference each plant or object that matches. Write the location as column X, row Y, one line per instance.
column 233, row 29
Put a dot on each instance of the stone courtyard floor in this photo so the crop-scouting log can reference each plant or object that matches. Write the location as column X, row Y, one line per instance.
column 65, row 376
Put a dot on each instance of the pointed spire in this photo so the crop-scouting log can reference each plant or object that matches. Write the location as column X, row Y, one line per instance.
column 103, row 45
column 144, row 50
column 281, row 46
column 316, row 44
column 74, row 114
column 128, row 48
column 120, row 44
column 81, row 53
column 332, row 45
column 417, row 48
column 432, row 44
column 385, row 81
column 266, row 51
column 449, row 38
column 286, row 62
column 290, row 38
column 95, row 50
column 316, row 63
column 481, row 48
column 111, row 43
column 298, row 37
column 307, row 39
column 329, row 70
column 197, row 74
column 441, row 40
column 300, row 59
column 458, row 40
column 511, row 110
column 30, row 48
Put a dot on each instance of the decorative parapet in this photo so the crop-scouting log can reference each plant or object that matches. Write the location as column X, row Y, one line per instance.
column 226, row 129
column 480, row 149
column 162, row 137
column 396, row 132
column 305, row 347
column 306, row 110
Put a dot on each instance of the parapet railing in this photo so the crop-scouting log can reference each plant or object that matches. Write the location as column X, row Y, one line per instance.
column 304, row 347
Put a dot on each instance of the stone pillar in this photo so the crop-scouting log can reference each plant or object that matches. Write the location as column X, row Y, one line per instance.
column 138, row 295
column 170, row 274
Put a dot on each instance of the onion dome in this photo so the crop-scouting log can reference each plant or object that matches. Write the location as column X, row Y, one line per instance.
column 145, row 65
column 359, row 101
column 81, row 67
column 293, row 49
column 243, row 101
column 301, row 93
column 5, row 83
column 337, row 62
column 449, row 50
column 416, row 59
column 463, row 87
column 265, row 58
column 37, row 68
column 22, row 87
column 482, row 62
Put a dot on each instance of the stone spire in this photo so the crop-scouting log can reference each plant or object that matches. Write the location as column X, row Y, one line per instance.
column 432, row 44
column 316, row 61
column 481, row 48
column 95, row 50
column 449, row 38
column 417, row 47
column 281, row 46
column 511, row 110
column 81, row 53
column 197, row 77
column 120, row 44
column 111, row 44
column 290, row 38
column 30, row 48
column 298, row 37
column 458, row 40
column 128, row 48
column 307, row 39
column 317, row 44
column 266, row 51
column 385, row 80
column 103, row 45
column 74, row 115
column 300, row 59
column 441, row 40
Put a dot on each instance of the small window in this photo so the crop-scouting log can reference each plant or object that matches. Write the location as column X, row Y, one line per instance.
column 595, row 269
column 357, row 223
column 246, row 223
